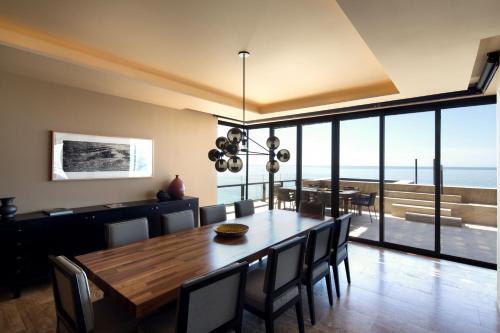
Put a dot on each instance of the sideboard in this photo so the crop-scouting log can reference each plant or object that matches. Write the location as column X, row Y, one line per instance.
column 27, row 240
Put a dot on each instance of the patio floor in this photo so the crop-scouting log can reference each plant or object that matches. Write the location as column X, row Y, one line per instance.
column 469, row 241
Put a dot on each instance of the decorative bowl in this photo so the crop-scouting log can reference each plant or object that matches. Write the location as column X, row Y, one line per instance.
column 231, row 229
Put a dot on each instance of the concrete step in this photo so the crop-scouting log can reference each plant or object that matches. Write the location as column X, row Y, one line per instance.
column 423, row 196
column 400, row 210
column 430, row 218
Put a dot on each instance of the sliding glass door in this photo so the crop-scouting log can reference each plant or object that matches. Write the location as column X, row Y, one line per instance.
column 409, row 189
column 359, row 175
column 469, row 194
column 285, row 178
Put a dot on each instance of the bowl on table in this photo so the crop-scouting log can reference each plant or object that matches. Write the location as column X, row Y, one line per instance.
column 231, row 230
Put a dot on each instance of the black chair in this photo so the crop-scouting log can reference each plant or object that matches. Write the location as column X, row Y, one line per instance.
column 212, row 214
column 319, row 244
column 210, row 303
column 126, row 232
column 273, row 289
column 176, row 222
column 286, row 195
column 74, row 309
column 365, row 200
column 339, row 248
column 314, row 210
column 244, row 208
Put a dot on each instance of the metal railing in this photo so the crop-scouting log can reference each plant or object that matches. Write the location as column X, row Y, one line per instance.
column 264, row 196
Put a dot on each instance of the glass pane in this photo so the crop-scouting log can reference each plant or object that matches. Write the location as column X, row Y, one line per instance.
column 409, row 190
column 316, row 164
column 359, row 175
column 469, row 195
column 258, row 177
column 284, row 179
column 229, row 185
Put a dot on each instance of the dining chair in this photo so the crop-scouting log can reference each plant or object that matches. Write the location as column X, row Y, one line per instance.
column 340, row 248
column 74, row 308
column 209, row 303
column 176, row 222
column 312, row 209
column 244, row 208
column 286, row 195
column 365, row 200
column 126, row 232
column 276, row 286
column 212, row 214
column 317, row 263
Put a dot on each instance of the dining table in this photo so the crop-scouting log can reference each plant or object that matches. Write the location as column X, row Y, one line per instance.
column 344, row 195
column 147, row 275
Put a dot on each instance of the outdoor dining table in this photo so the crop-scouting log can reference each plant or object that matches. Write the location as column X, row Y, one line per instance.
column 344, row 195
column 146, row 275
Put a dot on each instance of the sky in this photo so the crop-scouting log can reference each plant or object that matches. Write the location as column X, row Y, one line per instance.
column 468, row 140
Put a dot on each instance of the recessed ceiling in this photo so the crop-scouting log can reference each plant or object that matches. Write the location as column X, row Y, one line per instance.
column 306, row 55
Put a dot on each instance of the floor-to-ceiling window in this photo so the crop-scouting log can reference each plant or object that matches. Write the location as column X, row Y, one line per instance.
column 284, row 179
column 359, row 175
column 258, row 177
column 230, row 186
column 409, row 191
column 316, row 163
column 469, row 195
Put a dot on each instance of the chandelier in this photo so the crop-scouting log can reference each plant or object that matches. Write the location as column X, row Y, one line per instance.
column 236, row 142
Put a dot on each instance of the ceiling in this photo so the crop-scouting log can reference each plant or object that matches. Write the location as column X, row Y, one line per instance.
column 305, row 55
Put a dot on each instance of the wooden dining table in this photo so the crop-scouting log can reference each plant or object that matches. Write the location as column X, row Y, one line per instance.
column 146, row 275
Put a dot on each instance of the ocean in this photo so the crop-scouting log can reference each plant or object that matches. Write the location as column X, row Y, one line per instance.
column 452, row 176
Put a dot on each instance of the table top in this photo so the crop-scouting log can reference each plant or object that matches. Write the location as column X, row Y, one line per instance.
column 146, row 275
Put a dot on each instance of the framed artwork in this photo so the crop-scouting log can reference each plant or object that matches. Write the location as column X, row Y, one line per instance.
column 80, row 156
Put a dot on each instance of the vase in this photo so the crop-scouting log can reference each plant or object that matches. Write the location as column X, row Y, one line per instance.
column 176, row 188
column 7, row 210
column 162, row 196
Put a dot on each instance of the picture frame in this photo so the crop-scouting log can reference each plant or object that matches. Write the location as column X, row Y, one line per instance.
column 83, row 157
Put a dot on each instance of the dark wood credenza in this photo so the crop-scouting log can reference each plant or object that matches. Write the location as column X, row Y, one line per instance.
column 26, row 242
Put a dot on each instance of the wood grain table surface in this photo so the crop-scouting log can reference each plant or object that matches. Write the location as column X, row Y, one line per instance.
column 145, row 276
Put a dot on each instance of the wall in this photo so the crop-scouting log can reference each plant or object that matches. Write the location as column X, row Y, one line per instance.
column 498, row 189
column 30, row 109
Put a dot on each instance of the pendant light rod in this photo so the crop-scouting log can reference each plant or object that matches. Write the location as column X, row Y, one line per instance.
column 244, row 55
column 258, row 144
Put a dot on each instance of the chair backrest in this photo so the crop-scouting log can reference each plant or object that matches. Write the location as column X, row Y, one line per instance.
column 244, row 208
column 373, row 196
column 212, row 214
column 72, row 296
column 213, row 302
column 178, row 221
column 350, row 188
column 126, row 232
column 286, row 194
column 319, row 245
column 284, row 266
column 312, row 209
column 341, row 231
column 325, row 198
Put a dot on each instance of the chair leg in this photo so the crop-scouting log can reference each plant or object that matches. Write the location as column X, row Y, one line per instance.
column 370, row 213
column 328, row 280
column 347, row 270
column 336, row 279
column 375, row 211
column 269, row 324
column 310, row 300
column 300, row 315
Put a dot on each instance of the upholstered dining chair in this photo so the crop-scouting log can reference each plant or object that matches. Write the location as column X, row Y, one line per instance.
column 126, row 232
column 176, row 222
column 340, row 248
column 244, row 208
column 210, row 303
column 212, row 214
column 275, row 287
column 74, row 309
column 317, row 264
column 314, row 210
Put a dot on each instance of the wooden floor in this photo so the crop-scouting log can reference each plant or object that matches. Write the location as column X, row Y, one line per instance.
column 390, row 292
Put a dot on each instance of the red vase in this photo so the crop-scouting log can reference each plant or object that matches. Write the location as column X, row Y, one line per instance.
column 176, row 188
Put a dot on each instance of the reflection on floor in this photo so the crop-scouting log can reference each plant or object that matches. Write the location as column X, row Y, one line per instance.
column 470, row 241
column 390, row 292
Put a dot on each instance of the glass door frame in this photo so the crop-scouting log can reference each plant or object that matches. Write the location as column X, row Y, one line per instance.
column 381, row 113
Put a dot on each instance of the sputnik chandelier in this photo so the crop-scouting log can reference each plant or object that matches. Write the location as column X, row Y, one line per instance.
column 230, row 146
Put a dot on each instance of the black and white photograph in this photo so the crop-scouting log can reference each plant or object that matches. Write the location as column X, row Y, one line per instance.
column 79, row 156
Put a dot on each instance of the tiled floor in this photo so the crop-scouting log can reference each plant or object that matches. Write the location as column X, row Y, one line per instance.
column 470, row 241
column 390, row 292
